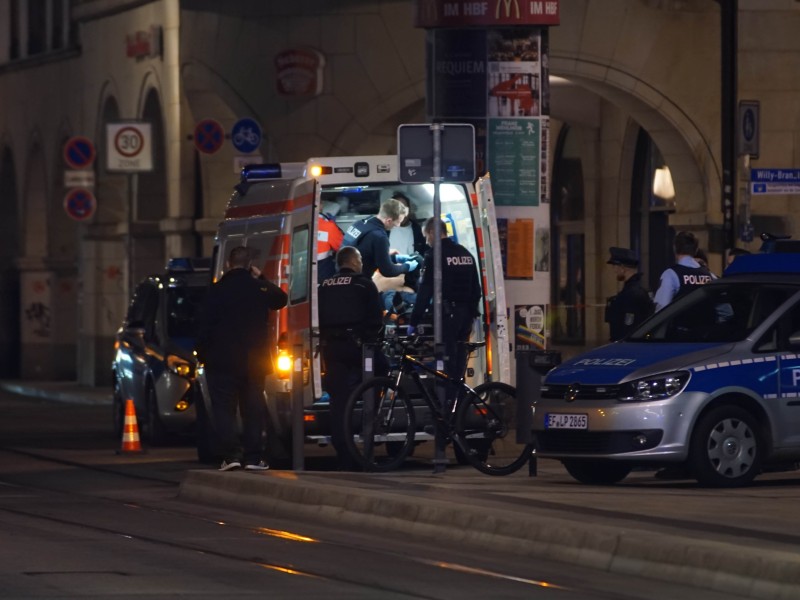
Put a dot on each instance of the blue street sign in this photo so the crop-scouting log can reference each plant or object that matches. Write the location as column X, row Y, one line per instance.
column 208, row 136
column 80, row 204
column 246, row 135
column 775, row 181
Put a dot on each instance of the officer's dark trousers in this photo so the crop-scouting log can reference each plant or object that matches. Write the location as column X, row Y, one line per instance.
column 230, row 391
column 456, row 328
column 342, row 375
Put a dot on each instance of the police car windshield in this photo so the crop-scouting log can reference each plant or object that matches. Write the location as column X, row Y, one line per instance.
column 715, row 313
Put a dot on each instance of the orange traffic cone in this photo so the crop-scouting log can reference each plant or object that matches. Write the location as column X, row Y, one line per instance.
column 130, row 430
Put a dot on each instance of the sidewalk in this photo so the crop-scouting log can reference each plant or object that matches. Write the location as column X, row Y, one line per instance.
column 742, row 541
column 59, row 391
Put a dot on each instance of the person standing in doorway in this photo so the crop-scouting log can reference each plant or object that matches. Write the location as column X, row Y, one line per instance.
column 233, row 345
column 632, row 304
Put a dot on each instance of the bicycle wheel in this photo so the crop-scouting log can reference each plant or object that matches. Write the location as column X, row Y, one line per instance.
column 392, row 425
column 486, row 430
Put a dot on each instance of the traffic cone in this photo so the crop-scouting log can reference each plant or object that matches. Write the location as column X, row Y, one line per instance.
column 130, row 430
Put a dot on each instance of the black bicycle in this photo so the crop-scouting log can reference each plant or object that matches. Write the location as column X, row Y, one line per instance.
column 381, row 423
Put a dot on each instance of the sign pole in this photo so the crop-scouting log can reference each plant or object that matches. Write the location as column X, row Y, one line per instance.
column 133, row 180
column 440, row 458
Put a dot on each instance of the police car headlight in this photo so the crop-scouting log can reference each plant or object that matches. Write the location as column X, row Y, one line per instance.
column 657, row 387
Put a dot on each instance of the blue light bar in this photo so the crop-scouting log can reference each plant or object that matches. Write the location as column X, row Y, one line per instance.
column 261, row 172
column 764, row 263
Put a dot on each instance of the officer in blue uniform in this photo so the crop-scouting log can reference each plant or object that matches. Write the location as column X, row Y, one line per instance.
column 371, row 237
column 461, row 296
column 632, row 305
column 350, row 314
column 685, row 275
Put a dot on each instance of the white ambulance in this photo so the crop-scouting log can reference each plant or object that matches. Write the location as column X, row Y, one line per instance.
column 274, row 212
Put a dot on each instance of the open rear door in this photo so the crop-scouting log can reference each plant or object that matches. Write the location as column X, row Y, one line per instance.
column 495, row 308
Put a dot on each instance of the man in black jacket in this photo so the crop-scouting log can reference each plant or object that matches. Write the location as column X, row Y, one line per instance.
column 233, row 344
column 371, row 237
column 461, row 296
column 632, row 305
column 350, row 313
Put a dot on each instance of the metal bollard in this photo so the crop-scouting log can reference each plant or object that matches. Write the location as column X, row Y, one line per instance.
column 531, row 364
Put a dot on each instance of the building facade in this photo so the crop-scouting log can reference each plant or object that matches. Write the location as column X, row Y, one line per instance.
column 635, row 87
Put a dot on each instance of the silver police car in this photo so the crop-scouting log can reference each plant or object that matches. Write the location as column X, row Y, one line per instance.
column 153, row 361
column 710, row 384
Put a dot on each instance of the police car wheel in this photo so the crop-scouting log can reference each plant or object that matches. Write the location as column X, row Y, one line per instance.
column 726, row 449
column 597, row 472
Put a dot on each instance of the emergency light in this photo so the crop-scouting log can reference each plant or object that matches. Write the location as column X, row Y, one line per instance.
column 261, row 172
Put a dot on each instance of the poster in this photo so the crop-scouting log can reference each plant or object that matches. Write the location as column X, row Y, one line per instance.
column 514, row 149
column 516, row 247
column 529, row 326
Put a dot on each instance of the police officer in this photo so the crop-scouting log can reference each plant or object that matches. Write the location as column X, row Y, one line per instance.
column 371, row 237
column 350, row 313
column 461, row 296
column 685, row 275
column 632, row 305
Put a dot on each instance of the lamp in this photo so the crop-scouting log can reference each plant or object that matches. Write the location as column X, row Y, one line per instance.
column 662, row 184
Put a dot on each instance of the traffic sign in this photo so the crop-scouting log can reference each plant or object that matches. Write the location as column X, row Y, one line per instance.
column 415, row 151
column 80, row 204
column 79, row 152
column 84, row 178
column 774, row 181
column 748, row 128
column 129, row 147
column 208, row 136
column 246, row 135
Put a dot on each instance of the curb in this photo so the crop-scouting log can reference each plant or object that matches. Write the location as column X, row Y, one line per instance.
column 750, row 572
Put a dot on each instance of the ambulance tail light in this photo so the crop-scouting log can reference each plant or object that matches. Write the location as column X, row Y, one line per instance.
column 284, row 364
column 317, row 170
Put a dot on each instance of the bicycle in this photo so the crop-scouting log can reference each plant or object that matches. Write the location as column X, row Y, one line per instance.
column 380, row 420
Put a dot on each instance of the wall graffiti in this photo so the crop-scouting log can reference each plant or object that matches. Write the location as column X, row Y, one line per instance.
column 38, row 315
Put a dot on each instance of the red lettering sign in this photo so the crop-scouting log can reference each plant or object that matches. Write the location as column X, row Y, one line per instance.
column 299, row 72
column 465, row 13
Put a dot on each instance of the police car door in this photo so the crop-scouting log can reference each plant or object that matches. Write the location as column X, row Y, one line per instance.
column 498, row 351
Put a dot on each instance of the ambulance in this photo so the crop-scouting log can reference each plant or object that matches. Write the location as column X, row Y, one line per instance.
column 274, row 211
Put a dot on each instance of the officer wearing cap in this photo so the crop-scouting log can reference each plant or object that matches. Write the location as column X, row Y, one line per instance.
column 632, row 305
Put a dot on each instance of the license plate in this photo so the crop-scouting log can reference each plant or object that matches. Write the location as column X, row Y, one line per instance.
column 561, row 421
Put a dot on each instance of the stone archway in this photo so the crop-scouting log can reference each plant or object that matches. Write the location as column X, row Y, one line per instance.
column 9, row 276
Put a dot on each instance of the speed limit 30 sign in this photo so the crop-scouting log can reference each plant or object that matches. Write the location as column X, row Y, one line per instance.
column 129, row 147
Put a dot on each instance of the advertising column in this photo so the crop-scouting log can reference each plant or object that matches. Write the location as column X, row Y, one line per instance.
column 487, row 65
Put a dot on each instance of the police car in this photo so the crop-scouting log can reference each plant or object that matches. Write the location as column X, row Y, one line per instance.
column 153, row 361
column 710, row 383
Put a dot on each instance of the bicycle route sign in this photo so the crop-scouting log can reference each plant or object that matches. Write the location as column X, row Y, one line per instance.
column 208, row 136
column 80, row 204
column 246, row 135
column 129, row 147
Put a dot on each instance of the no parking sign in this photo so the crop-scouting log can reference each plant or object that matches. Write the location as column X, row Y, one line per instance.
column 80, row 204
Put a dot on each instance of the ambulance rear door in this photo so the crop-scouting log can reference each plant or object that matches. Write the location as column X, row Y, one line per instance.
column 494, row 310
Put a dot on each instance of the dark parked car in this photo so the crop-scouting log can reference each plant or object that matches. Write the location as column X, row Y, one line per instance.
column 154, row 364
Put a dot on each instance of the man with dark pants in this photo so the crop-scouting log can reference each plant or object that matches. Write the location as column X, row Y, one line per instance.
column 350, row 314
column 632, row 305
column 461, row 296
column 233, row 345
